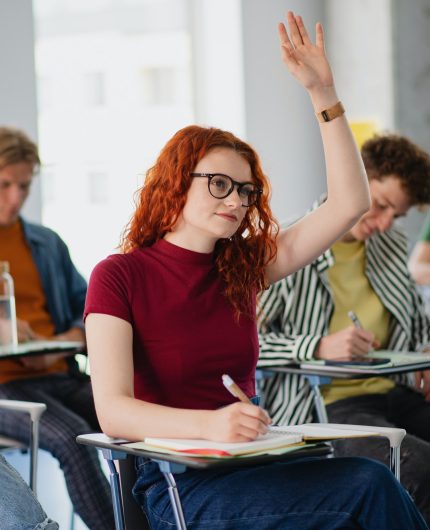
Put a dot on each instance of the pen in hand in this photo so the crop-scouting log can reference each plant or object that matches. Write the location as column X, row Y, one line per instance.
column 355, row 320
column 234, row 389
column 357, row 324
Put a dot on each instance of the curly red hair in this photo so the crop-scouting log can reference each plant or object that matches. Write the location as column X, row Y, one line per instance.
column 240, row 260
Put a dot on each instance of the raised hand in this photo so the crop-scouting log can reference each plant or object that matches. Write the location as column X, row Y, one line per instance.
column 306, row 61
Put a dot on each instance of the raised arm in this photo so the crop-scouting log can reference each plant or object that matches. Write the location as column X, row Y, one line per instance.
column 120, row 414
column 348, row 194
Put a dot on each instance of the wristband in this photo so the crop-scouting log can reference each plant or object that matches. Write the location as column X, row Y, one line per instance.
column 331, row 113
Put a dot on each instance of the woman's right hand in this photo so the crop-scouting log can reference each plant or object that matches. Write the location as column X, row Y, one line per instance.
column 239, row 422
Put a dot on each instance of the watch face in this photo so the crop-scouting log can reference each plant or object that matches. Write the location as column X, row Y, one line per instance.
column 331, row 113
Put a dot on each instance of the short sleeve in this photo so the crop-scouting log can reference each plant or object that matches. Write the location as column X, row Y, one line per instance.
column 109, row 290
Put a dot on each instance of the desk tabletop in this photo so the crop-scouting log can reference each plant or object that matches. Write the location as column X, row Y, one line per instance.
column 41, row 347
column 101, row 441
column 347, row 371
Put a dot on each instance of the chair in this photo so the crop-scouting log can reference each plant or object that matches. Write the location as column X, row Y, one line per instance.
column 128, row 515
column 35, row 410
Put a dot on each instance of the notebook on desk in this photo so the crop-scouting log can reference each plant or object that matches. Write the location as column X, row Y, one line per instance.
column 279, row 439
column 41, row 346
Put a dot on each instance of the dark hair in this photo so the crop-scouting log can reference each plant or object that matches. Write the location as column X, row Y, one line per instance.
column 390, row 154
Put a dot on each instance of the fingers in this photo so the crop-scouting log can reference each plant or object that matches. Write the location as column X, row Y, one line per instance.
column 287, row 48
column 319, row 38
column 302, row 29
column 246, row 422
column 296, row 36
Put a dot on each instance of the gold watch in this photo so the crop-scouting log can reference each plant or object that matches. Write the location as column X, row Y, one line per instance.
column 331, row 113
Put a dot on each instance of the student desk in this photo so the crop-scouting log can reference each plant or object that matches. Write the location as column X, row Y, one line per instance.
column 114, row 449
column 42, row 347
column 319, row 374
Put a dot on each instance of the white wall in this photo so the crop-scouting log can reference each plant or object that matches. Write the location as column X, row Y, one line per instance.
column 216, row 29
column 280, row 122
column 359, row 45
column 17, row 81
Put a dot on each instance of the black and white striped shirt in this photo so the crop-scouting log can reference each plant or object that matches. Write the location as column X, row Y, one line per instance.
column 295, row 313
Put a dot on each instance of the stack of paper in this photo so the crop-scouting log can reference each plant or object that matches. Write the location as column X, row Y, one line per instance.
column 270, row 441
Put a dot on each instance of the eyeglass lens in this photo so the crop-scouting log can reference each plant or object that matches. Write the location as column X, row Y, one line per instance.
column 220, row 186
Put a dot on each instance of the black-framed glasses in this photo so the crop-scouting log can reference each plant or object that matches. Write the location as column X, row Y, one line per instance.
column 220, row 186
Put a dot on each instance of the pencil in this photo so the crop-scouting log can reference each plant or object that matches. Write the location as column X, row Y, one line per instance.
column 233, row 388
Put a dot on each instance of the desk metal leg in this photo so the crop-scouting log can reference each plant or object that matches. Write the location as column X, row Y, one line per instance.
column 34, row 446
column 315, row 381
column 395, row 461
column 168, row 468
column 175, row 501
column 115, row 487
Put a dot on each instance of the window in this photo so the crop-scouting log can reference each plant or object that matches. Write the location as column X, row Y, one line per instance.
column 120, row 93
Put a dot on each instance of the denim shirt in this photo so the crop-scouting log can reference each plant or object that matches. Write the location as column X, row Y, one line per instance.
column 64, row 288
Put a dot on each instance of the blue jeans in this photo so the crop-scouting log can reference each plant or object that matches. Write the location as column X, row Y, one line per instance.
column 305, row 494
column 19, row 508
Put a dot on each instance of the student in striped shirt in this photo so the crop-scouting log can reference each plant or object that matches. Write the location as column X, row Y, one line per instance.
column 305, row 316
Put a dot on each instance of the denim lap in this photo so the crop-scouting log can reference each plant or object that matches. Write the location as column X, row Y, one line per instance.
column 305, row 494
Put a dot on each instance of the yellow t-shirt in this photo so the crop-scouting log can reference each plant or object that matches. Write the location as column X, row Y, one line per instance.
column 351, row 290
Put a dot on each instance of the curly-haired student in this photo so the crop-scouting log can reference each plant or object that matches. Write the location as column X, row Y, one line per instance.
column 305, row 316
column 172, row 313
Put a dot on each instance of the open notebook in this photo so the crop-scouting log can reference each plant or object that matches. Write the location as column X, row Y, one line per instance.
column 42, row 346
column 278, row 439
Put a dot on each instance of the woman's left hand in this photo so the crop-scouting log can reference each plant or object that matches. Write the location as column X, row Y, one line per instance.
column 306, row 61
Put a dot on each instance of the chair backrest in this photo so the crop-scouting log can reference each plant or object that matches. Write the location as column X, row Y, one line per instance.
column 134, row 517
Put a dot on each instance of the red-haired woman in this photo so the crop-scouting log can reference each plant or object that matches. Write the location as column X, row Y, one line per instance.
column 166, row 318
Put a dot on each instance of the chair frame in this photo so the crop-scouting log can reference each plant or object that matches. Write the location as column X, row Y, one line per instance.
column 35, row 410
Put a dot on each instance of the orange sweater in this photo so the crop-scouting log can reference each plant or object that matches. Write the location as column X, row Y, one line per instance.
column 29, row 297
